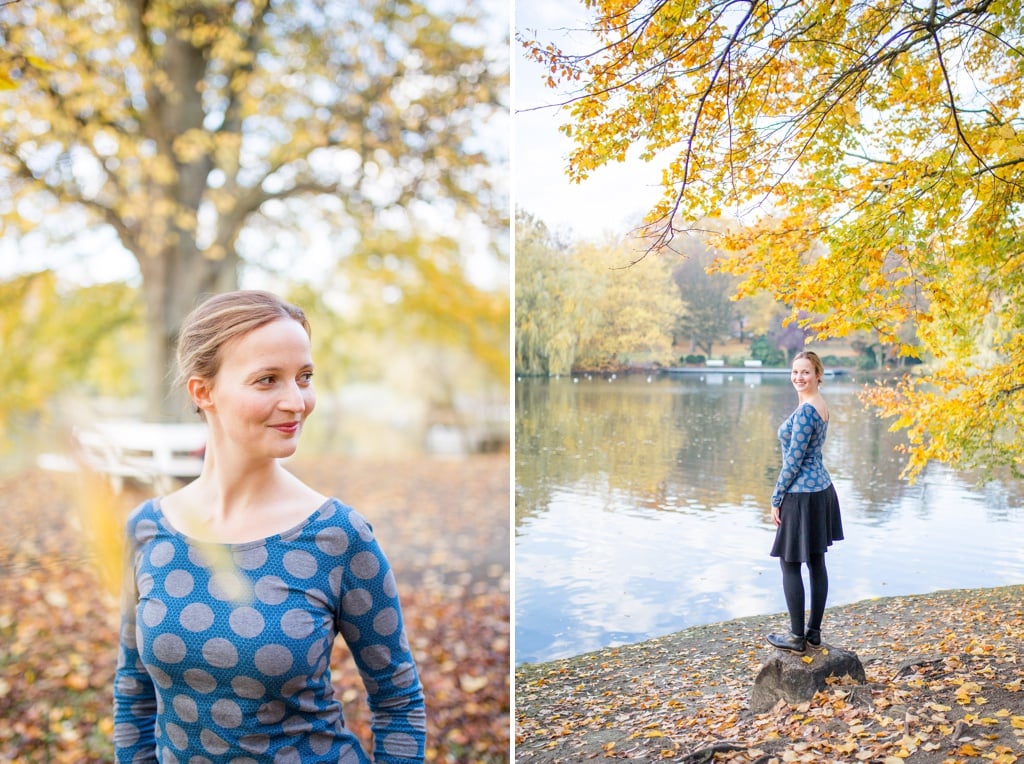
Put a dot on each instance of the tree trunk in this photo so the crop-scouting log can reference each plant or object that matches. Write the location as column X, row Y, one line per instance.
column 172, row 283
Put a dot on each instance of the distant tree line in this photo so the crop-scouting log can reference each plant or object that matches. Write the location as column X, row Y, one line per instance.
column 584, row 306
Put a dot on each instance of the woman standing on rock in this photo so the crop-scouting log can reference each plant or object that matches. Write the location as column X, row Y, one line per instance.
column 238, row 583
column 805, row 508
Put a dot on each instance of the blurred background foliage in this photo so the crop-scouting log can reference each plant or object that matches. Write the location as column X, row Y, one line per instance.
column 424, row 350
column 352, row 157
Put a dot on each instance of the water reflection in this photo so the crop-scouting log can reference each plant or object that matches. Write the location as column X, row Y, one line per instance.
column 642, row 508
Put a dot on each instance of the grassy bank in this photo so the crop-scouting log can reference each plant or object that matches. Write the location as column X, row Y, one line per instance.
column 944, row 685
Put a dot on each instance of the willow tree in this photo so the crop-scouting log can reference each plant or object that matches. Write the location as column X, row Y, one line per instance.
column 554, row 310
column 197, row 130
column 875, row 149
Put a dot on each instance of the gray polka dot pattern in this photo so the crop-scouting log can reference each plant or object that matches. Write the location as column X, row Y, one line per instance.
column 153, row 613
column 246, row 622
column 220, row 653
column 802, row 437
column 246, row 687
column 271, row 590
column 297, row 624
column 232, row 664
column 273, row 660
column 185, row 708
column 385, row 622
column 196, row 617
column 226, row 713
column 200, row 681
column 357, row 602
column 161, row 554
column 251, row 559
column 365, row 565
column 179, row 583
column 332, row 541
column 169, row 648
column 300, row 564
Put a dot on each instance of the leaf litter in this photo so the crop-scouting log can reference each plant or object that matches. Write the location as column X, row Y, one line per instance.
column 944, row 686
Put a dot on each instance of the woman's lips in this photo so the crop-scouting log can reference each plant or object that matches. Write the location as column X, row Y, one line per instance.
column 288, row 428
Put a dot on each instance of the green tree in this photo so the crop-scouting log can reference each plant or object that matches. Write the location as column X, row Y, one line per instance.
column 876, row 149
column 200, row 132
column 764, row 350
column 555, row 309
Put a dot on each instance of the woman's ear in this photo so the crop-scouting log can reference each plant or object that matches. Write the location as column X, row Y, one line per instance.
column 199, row 390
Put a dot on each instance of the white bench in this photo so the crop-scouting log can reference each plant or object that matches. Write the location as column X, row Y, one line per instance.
column 149, row 452
column 714, row 362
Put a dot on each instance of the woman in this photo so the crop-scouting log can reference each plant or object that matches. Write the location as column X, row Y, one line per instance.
column 238, row 583
column 805, row 508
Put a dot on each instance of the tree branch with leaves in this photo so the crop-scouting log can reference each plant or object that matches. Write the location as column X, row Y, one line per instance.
column 873, row 151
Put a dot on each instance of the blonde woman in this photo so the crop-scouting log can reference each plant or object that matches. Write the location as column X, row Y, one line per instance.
column 805, row 508
column 238, row 583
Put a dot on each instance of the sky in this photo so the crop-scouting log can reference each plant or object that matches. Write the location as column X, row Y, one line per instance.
column 615, row 197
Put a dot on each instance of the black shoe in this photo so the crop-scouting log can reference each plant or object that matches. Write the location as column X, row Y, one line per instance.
column 787, row 642
column 813, row 637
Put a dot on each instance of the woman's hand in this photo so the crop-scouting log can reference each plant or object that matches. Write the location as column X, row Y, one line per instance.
column 775, row 516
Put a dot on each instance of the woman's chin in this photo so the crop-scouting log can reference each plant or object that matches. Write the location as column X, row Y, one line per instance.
column 286, row 450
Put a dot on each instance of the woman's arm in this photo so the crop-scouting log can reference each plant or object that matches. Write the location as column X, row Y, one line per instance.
column 370, row 620
column 134, row 693
column 793, row 458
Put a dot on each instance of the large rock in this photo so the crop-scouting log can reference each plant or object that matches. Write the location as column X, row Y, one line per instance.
column 787, row 676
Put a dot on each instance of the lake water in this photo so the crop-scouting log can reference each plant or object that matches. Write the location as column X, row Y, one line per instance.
column 642, row 507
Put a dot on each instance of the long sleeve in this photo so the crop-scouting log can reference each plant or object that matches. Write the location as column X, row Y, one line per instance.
column 370, row 621
column 134, row 694
column 801, row 429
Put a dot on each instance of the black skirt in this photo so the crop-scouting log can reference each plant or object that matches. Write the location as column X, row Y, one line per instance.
column 810, row 523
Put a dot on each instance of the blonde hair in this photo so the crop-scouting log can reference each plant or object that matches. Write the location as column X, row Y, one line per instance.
column 222, row 318
column 810, row 355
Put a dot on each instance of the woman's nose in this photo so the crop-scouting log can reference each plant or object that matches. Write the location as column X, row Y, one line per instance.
column 293, row 399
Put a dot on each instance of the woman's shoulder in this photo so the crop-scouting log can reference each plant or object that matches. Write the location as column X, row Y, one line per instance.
column 816, row 409
column 337, row 513
column 142, row 521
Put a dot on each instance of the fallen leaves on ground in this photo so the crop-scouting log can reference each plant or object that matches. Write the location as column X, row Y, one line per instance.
column 944, row 686
column 443, row 524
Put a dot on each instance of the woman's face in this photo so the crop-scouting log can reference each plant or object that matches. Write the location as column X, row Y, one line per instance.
column 803, row 376
column 263, row 391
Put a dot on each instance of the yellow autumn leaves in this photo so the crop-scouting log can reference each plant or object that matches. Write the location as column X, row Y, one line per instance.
column 872, row 157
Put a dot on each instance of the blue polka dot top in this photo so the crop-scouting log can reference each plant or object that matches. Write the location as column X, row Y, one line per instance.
column 802, row 437
column 225, row 648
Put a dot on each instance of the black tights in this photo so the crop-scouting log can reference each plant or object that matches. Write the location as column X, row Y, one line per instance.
column 793, row 587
